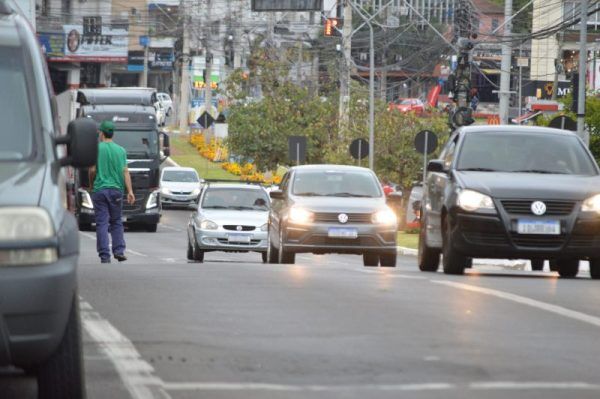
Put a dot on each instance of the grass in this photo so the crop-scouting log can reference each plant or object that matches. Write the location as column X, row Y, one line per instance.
column 186, row 155
column 408, row 240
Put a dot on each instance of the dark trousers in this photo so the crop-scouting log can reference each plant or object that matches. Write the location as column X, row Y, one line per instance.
column 108, row 205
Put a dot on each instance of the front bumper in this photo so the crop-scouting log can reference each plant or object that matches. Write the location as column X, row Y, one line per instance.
column 34, row 308
column 178, row 200
column 496, row 236
column 219, row 240
column 150, row 216
column 315, row 238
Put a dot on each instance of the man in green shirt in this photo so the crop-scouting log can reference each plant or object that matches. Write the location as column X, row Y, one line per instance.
column 109, row 179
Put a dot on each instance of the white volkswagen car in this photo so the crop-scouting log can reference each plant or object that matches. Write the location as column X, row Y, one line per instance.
column 179, row 186
column 231, row 217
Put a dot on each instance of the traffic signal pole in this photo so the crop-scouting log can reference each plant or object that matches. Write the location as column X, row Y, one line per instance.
column 582, row 73
column 504, row 92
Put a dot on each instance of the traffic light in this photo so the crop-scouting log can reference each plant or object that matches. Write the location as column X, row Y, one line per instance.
column 333, row 26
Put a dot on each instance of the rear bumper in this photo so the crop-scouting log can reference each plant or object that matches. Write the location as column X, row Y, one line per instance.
column 34, row 308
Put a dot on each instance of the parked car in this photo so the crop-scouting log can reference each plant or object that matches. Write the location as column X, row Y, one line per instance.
column 512, row 192
column 161, row 114
column 39, row 237
column 408, row 105
column 230, row 217
column 332, row 209
column 179, row 186
column 167, row 103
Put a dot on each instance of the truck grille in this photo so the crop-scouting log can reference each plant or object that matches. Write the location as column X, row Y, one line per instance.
column 523, row 207
column 140, row 197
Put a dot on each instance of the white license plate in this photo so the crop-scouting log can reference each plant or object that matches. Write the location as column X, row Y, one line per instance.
column 239, row 238
column 549, row 227
column 342, row 233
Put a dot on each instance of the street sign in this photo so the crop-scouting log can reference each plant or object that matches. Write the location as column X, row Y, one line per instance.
column 297, row 149
column 426, row 142
column 522, row 62
column 359, row 148
column 563, row 122
column 144, row 41
column 205, row 120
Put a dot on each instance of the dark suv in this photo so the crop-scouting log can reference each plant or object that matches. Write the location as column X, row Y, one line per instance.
column 332, row 209
column 39, row 246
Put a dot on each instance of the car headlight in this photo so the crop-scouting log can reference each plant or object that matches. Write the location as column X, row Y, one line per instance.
column 165, row 191
column 152, row 201
column 264, row 227
column 591, row 204
column 25, row 223
column 385, row 217
column 195, row 192
column 300, row 215
column 208, row 225
column 86, row 199
column 471, row 201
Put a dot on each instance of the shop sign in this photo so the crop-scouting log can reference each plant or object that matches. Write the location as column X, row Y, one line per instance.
column 110, row 45
column 53, row 44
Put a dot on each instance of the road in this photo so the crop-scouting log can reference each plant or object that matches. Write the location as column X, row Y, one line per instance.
column 232, row 327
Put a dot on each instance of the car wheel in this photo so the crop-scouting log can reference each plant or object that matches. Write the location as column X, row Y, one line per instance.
column 151, row 228
column 568, row 268
column 85, row 226
column 370, row 260
column 428, row 258
column 264, row 257
column 272, row 252
column 190, row 251
column 553, row 265
column 62, row 376
column 388, row 260
column 198, row 253
column 595, row 268
column 285, row 257
column 537, row 265
column 453, row 261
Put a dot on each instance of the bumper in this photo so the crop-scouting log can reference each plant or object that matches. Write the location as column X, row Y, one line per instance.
column 492, row 236
column 34, row 308
column 315, row 238
column 151, row 216
column 178, row 200
column 219, row 240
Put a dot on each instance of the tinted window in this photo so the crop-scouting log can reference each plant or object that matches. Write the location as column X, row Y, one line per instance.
column 525, row 152
column 139, row 144
column 185, row 176
column 16, row 133
column 336, row 184
column 235, row 198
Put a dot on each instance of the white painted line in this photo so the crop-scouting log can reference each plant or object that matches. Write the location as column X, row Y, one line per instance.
column 169, row 260
column 559, row 310
column 131, row 251
column 500, row 385
column 88, row 235
column 137, row 375
column 225, row 386
column 166, row 226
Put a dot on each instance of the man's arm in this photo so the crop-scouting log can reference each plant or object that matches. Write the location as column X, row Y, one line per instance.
column 130, row 196
column 92, row 176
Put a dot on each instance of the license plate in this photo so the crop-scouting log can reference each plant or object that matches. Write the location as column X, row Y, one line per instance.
column 239, row 238
column 549, row 227
column 124, row 219
column 342, row 233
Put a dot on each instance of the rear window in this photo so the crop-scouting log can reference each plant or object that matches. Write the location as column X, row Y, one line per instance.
column 16, row 133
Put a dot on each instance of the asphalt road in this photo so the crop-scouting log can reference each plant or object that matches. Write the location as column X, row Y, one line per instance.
column 232, row 327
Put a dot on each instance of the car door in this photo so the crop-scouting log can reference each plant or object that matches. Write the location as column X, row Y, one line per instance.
column 278, row 207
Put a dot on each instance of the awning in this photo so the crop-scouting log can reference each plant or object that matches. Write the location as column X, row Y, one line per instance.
column 489, row 71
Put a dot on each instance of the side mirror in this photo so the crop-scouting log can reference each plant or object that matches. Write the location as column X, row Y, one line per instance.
column 276, row 194
column 82, row 143
column 166, row 144
column 395, row 198
column 436, row 165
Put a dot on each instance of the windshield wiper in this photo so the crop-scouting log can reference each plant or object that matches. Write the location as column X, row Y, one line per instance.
column 545, row 172
column 215, row 207
column 349, row 195
column 138, row 154
column 478, row 170
column 242, row 208
column 308, row 194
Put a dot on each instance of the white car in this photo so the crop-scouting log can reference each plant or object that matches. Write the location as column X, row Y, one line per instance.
column 179, row 186
column 166, row 101
column 161, row 114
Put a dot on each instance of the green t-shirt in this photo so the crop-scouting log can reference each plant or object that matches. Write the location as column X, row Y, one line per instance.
column 112, row 160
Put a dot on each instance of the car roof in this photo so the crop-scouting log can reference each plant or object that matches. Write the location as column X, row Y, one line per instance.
column 242, row 185
column 514, row 129
column 329, row 167
column 117, row 95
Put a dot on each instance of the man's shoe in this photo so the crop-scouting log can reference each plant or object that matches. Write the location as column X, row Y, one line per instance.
column 120, row 257
column 104, row 260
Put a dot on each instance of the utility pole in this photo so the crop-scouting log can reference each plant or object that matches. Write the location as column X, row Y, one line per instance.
column 582, row 73
column 185, row 78
column 299, row 70
column 344, row 103
column 557, row 64
column 145, row 72
column 504, row 92
column 209, row 60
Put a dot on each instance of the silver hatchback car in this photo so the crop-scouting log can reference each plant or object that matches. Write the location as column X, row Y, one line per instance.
column 230, row 217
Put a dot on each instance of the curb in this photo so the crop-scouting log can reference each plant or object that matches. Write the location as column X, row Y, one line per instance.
column 170, row 161
column 407, row 251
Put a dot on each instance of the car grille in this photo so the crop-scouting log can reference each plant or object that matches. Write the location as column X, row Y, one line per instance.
column 523, row 207
column 234, row 227
column 332, row 217
column 325, row 241
column 181, row 192
column 226, row 242
column 487, row 238
column 538, row 240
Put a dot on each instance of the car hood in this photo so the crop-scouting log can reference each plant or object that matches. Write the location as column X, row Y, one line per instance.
column 21, row 183
column 340, row 204
column 221, row 217
column 530, row 185
column 179, row 186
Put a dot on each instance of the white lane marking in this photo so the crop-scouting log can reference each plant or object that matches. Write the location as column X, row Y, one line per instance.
column 169, row 260
column 137, row 375
column 226, row 386
column 88, row 235
column 508, row 385
column 166, row 226
column 131, row 251
column 559, row 310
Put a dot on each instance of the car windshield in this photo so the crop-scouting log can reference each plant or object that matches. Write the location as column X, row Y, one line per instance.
column 235, row 199
column 405, row 102
column 336, row 184
column 184, row 176
column 15, row 113
column 139, row 144
column 524, row 153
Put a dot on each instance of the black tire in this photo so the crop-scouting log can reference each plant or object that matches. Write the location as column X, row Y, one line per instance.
column 85, row 226
column 190, row 251
column 151, row 228
column 469, row 263
column 198, row 253
column 285, row 257
column 388, row 260
column 537, row 265
column 264, row 257
column 370, row 260
column 272, row 252
column 553, row 265
column 453, row 261
column 62, row 375
column 595, row 268
column 428, row 258
column 568, row 268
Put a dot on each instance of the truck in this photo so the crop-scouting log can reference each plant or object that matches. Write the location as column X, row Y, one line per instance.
column 133, row 113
